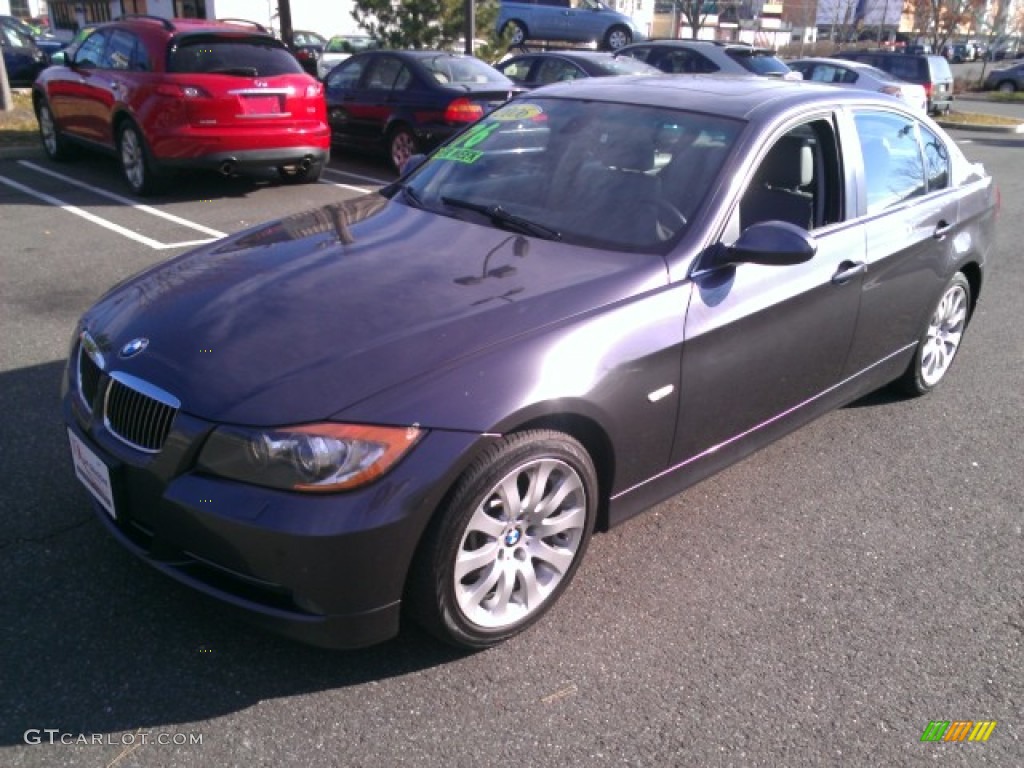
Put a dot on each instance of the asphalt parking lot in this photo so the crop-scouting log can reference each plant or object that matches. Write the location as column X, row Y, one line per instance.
column 818, row 604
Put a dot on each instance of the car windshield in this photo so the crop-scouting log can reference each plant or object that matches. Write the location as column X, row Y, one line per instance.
column 453, row 68
column 616, row 176
column 758, row 61
column 244, row 56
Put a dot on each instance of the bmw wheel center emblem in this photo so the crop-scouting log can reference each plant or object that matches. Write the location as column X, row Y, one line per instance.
column 133, row 347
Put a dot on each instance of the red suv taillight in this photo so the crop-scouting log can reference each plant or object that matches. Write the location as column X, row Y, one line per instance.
column 175, row 91
column 462, row 110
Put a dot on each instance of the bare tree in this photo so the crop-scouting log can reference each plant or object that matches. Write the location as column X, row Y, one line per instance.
column 939, row 20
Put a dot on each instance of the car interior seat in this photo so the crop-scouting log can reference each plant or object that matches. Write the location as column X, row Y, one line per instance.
column 782, row 186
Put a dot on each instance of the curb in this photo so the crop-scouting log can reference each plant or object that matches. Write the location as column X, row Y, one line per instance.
column 949, row 125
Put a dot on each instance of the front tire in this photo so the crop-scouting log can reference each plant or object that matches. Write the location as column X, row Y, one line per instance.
column 508, row 542
column 941, row 339
column 617, row 37
column 136, row 166
column 54, row 143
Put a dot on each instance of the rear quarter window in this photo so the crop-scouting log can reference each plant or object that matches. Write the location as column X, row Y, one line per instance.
column 247, row 57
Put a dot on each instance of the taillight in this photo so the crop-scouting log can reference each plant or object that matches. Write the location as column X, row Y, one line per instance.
column 314, row 90
column 928, row 90
column 462, row 110
column 181, row 91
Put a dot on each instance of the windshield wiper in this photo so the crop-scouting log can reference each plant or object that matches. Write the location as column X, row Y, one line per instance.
column 410, row 195
column 503, row 218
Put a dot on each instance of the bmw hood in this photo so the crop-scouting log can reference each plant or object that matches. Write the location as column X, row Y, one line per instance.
column 300, row 318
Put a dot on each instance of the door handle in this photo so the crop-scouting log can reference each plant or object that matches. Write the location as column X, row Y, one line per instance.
column 848, row 270
column 941, row 230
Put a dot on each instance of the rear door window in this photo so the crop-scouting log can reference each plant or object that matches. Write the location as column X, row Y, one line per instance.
column 894, row 169
column 243, row 56
column 758, row 62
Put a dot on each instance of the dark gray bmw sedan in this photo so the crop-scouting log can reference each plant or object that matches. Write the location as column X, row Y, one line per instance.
column 423, row 402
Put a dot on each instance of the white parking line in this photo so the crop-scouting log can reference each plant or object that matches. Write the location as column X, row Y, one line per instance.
column 84, row 214
column 346, row 186
column 370, row 179
column 125, row 201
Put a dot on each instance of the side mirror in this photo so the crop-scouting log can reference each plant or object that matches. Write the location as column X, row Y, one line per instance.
column 772, row 243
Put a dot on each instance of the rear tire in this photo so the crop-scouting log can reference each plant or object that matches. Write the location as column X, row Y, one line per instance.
column 136, row 166
column 517, row 32
column 941, row 339
column 1007, row 86
column 402, row 145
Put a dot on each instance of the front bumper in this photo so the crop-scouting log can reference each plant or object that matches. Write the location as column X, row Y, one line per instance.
column 326, row 569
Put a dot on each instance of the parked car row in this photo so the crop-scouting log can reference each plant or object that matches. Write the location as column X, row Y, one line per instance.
column 163, row 95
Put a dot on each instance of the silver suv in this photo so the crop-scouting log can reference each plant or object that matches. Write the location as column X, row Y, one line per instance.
column 708, row 56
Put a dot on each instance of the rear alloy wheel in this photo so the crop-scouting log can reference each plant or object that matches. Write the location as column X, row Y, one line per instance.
column 617, row 37
column 54, row 143
column 516, row 31
column 401, row 146
column 941, row 340
column 296, row 174
column 135, row 164
column 509, row 541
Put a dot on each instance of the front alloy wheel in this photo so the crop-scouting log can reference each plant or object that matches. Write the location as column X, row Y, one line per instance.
column 617, row 37
column 53, row 143
column 941, row 340
column 509, row 542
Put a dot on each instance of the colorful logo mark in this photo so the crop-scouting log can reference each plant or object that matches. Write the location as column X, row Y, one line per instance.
column 958, row 730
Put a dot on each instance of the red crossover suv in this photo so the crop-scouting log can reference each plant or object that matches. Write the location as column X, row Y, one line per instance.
column 185, row 93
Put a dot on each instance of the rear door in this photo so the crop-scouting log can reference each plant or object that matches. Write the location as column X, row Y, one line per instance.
column 910, row 216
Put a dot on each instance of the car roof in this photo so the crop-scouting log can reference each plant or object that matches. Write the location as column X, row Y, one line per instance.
column 178, row 26
column 709, row 44
column 736, row 96
column 566, row 54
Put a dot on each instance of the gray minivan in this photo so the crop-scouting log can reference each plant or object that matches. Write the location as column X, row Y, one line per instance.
column 930, row 70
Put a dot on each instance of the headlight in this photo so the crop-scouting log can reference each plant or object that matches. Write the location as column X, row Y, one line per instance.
column 314, row 457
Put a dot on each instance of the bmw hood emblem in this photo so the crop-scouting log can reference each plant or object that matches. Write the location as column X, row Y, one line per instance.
column 133, row 347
